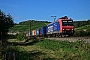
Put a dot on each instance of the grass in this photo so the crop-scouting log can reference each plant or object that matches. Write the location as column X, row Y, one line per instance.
column 53, row 50
column 83, row 27
column 67, row 50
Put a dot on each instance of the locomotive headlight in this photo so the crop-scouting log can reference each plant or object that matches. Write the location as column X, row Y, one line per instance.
column 72, row 29
column 63, row 29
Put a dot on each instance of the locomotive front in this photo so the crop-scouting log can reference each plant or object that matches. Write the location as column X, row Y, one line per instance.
column 66, row 26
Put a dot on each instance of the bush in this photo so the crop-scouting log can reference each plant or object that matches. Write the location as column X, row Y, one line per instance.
column 21, row 37
column 77, row 33
column 12, row 36
column 88, row 31
column 81, row 33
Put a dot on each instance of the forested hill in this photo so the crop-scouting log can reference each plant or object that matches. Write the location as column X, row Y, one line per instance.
column 81, row 23
column 25, row 25
column 82, row 28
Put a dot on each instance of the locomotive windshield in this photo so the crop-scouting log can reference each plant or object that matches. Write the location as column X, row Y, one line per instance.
column 67, row 23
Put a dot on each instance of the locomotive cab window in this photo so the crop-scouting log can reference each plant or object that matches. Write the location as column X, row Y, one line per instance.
column 67, row 23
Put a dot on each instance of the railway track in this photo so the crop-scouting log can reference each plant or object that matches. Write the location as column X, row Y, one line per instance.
column 71, row 39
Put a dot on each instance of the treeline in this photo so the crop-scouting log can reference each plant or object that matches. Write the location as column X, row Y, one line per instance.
column 33, row 21
column 81, row 23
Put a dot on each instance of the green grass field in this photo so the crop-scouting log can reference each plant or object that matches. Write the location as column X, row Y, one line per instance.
column 53, row 50
column 83, row 27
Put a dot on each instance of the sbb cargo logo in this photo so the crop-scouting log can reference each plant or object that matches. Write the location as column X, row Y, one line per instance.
column 55, row 27
column 50, row 29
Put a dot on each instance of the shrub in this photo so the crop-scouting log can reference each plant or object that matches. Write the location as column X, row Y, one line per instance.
column 12, row 36
column 21, row 37
column 88, row 31
column 77, row 33
column 81, row 33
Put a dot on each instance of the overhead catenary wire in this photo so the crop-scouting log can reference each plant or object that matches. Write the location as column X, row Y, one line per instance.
column 68, row 7
column 55, row 9
column 61, row 8
column 79, row 11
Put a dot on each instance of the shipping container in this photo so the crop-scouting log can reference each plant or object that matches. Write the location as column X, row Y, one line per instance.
column 43, row 30
column 50, row 28
column 30, row 34
column 33, row 32
column 53, row 28
column 56, row 27
column 38, row 32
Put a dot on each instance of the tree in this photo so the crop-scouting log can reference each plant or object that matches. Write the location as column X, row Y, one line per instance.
column 6, row 22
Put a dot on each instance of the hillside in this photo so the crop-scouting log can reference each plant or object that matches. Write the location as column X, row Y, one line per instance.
column 25, row 25
column 78, row 24
column 82, row 31
column 85, row 27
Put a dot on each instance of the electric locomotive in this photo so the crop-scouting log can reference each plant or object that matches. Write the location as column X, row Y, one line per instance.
column 63, row 26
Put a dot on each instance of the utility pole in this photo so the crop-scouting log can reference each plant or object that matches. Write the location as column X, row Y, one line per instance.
column 30, row 27
column 54, row 18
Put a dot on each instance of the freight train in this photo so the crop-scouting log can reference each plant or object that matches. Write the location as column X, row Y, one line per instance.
column 63, row 26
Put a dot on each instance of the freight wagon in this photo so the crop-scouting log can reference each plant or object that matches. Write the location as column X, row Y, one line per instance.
column 43, row 31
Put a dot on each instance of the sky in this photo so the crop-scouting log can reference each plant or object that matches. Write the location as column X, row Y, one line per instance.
column 42, row 10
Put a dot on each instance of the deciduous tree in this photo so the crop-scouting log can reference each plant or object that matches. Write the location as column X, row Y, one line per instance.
column 6, row 22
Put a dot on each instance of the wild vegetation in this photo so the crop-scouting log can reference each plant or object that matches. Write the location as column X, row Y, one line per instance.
column 82, row 28
column 81, row 23
column 6, row 22
column 82, row 32
column 21, row 37
column 52, row 50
